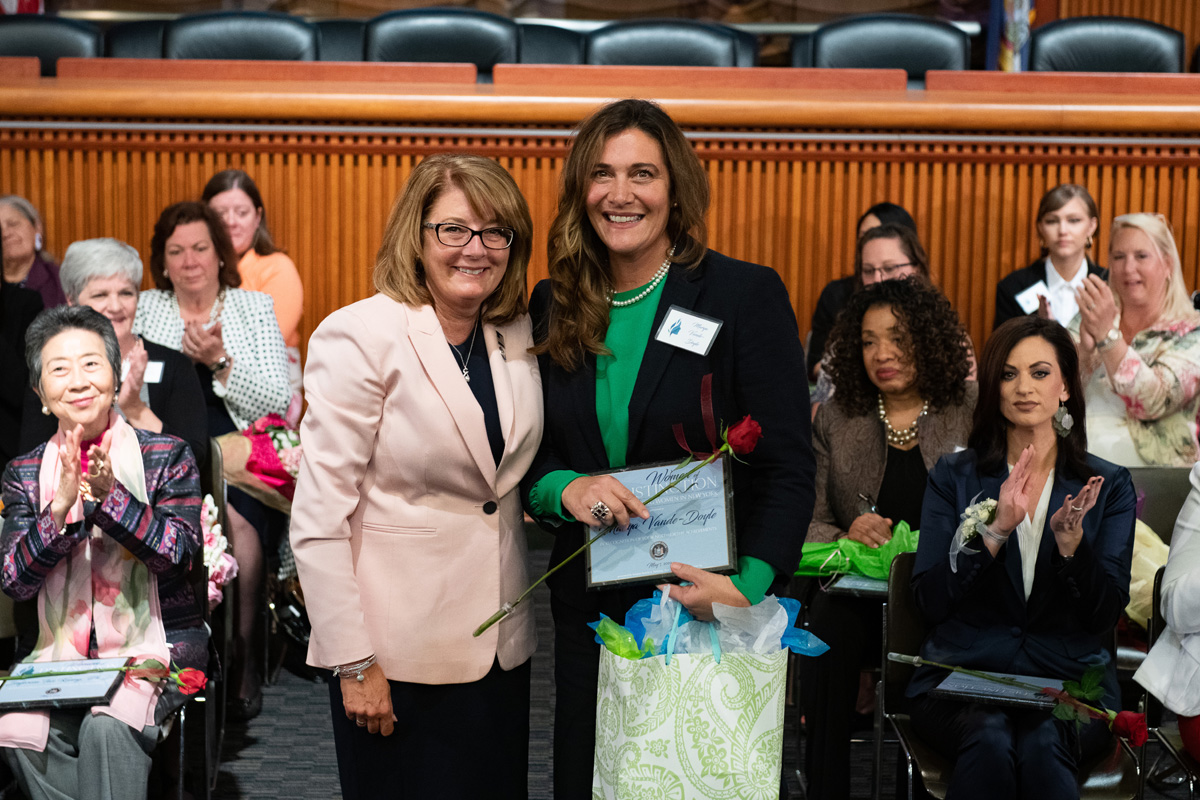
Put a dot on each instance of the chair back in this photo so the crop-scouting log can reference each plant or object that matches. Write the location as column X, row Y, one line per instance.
column 1154, row 708
column 141, row 38
column 1106, row 44
column 49, row 38
column 904, row 632
column 1164, row 490
column 242, row 35
column 550, row 44
column 902, row 41
column 443, row 34
column 342, row 39
column 671, row 43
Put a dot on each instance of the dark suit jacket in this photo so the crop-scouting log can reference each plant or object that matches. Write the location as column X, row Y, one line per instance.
column 177, row 400
column 979, row 615
column 19, row 306
column 757, row 364
column 831, row 302
column 1016, row 282
column 852, row 457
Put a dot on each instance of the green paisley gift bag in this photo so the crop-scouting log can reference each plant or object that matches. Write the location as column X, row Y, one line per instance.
column 684, row 727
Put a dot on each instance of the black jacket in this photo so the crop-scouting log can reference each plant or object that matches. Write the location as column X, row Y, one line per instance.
column 19, row 306
column 1007, row 290
column 757, row 368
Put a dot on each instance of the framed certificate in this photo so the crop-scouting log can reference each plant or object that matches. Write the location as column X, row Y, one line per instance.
column 63, row 691
column 691, row 523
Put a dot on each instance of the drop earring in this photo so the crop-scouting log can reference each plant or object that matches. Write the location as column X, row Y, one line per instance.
column 1062, row 420
column 45, row 410
column 37, row 241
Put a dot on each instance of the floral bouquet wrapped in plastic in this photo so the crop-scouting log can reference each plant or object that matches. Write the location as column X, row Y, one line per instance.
column 264, row 460
column 221, row 565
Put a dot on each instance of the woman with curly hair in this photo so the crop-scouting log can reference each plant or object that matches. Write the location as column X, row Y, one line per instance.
column 901, row 360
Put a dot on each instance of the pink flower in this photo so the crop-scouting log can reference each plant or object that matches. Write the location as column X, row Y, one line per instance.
column 105, row 592
column 215, row 595
column 80, row 626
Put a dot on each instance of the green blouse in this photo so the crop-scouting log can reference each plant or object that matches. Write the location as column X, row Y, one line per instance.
column 629, row 330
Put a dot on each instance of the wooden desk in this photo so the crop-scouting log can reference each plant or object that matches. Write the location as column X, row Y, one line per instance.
column 790, row 170
column 189, row 69
column 19, row 67
column 727, row 79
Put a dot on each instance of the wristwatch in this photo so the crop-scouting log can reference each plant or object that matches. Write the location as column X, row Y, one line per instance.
column 1113, row 336
column 220, row 364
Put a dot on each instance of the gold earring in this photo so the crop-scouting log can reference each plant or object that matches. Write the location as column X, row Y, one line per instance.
column 45, row 410
column 1088, row 244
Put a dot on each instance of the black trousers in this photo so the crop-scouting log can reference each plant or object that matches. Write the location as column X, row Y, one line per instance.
column 852, row 627
column 1002, row 753
column 457, row 740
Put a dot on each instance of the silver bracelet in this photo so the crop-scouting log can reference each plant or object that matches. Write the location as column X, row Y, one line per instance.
column 354, row 670
column 992, row 536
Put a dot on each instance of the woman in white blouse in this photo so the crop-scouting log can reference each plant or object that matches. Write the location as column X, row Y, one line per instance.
column 233, row 338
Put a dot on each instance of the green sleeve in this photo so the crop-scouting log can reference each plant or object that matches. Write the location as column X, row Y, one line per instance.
column 753, row 578
column 545, row 498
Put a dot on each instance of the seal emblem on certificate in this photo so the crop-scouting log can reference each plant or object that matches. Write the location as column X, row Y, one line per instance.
column 691, row 523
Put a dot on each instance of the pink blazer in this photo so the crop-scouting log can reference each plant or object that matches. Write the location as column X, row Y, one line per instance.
column 406, row 533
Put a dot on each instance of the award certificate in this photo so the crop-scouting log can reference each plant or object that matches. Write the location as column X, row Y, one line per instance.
column 691, row 523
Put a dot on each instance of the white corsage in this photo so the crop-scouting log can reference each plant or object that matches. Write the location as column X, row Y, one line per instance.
column 975, row 521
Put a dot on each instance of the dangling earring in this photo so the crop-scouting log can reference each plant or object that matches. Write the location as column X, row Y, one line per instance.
column 45, row 410
column 1088, row 244
column 1062, row 420
column 37, row 241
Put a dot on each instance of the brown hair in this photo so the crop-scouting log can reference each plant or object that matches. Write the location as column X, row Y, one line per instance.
column 989, row 429
column 228, row 179
column 579, row 270
column 1062, row 194
column 910, row 243
column 492, row 193
column 186, row 213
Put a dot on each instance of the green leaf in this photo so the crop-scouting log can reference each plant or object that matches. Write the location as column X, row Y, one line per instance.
column 1093, row 695
column 1092, row 678
column 1064, row 711
column 1082, row 717
column 1072, row 688
column 686, row 461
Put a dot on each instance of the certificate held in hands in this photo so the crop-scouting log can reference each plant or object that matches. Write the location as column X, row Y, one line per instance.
column 691, row 523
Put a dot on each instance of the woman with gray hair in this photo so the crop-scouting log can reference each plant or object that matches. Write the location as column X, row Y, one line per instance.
column 160, row 392
column 25, row 262
column 101, row 524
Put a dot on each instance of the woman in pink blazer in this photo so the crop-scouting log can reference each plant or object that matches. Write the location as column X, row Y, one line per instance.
column 424, row 413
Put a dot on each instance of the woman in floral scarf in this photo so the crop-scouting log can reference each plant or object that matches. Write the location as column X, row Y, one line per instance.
column 1139, row 350
column 100, row 525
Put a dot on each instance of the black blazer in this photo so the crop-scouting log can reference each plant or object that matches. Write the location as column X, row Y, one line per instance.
column 979, row 615
column 177, row 400
column 831, row 302
column 1016, row 282
column 757, row 368
column 19, row 306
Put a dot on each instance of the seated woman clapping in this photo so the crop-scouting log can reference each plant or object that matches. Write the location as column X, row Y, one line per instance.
column 100, row 524
column 900, row 359
column 1039, row 592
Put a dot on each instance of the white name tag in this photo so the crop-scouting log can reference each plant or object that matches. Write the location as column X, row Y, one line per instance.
column 688, row 330
column 1028, row 299
column 153, row 372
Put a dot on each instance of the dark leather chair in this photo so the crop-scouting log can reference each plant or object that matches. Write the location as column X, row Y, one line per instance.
column 891, row 41
column 1106, row 44
column 49, row 38
column 453, row 35
column 671, row 43
column 1115, row 776
column 801, row 50
column 243, row 35
column 1195, row 68
column 142, row 38
column 550, row 44
column 342, row 39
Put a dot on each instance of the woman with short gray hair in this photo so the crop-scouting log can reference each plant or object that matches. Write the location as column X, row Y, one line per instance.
column 160, row 392
column 26, row 263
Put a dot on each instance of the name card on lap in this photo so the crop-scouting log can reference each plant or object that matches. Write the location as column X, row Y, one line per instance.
column 691, row 523
column 1028, row 299
column 688, row 330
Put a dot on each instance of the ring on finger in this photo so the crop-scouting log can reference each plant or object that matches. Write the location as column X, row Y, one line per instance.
column 1077, row 508
column 362, row 723
column 600, row 510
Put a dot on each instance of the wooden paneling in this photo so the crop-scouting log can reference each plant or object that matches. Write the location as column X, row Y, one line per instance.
column 726, row 78
column 1182, row 15
column 200, row 69
column 786, row 197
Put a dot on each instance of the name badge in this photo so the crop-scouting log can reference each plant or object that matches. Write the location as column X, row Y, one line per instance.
column 688, row 330
column 1028, row 299
column 153, row 372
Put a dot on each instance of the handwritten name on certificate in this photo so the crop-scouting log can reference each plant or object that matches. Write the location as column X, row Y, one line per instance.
column 691, row 523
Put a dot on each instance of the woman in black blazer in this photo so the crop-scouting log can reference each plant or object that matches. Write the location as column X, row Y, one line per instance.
column 1039, row 592
column 1067, row 220
column 627, row 245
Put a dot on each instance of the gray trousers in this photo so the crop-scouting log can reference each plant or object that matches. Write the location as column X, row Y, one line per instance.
column 87, row 757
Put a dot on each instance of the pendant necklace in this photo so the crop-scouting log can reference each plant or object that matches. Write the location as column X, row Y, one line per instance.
column 900, row 438
column 463, row 361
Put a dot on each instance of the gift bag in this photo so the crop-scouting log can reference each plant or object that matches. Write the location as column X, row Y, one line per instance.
column 690, row 726
column 855, row 558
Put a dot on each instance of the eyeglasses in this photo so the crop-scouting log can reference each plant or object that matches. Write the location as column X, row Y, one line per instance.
column 885, row 272
column 452, row 234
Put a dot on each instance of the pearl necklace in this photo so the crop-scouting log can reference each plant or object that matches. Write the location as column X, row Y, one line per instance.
column 650, row 287
column 905, row 436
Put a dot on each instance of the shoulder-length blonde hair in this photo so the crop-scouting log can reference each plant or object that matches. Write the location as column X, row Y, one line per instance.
column 1177, row 303
column 493, row 194
column 581, row 279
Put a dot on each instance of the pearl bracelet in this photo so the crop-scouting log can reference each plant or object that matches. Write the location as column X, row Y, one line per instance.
column 354, row 670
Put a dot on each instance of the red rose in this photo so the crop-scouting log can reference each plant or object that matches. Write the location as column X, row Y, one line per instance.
column 190, row 680
column 743, row 436
column 1131, row 726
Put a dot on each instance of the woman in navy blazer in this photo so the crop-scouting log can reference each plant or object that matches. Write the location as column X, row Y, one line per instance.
column 1040, row 592
column 627, row 245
